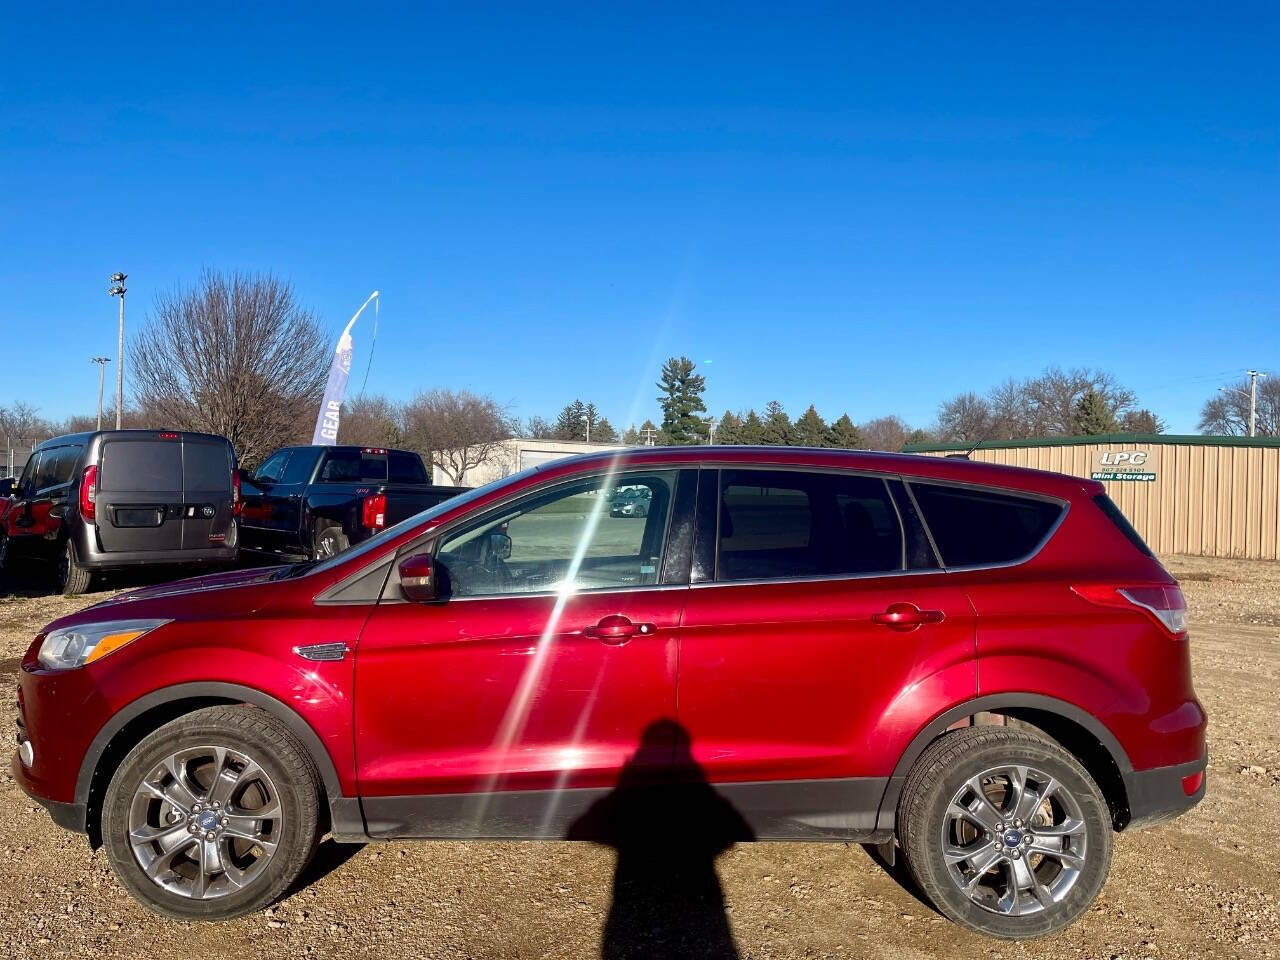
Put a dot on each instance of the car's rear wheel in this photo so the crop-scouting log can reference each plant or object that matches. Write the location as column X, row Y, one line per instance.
column 212, row 816
column 1005, row 832
column 73, row 579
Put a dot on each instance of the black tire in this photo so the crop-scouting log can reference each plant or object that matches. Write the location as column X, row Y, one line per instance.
column 329, row 540
column 925, row 825
column 73, row 579
column 247, row 732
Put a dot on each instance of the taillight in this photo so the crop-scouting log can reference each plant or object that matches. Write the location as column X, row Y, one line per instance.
column 1163, row 603
column 235, row 493
column 373, row 512
column 89, row 492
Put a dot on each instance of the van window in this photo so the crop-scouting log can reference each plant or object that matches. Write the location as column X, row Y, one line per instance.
column 972, row 526
column 206, row 466
column 143, row 466
column 779, row 524
column 406, row 468
column 56, row 466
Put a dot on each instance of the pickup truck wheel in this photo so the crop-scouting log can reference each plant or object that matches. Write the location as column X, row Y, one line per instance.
column 73, row 579
column 1005, row 832
column 213, row 815
column 329, row 540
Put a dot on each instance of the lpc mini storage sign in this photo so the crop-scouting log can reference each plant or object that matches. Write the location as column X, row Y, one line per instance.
column 1123, row 465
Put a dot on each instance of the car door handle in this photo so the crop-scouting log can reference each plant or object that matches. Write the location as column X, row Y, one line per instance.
column 617, row 629
column 905, row 617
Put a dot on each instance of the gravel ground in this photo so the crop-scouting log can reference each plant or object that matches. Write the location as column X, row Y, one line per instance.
column 1204, row 885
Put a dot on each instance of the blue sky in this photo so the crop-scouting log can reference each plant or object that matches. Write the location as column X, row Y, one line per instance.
column 869, row 209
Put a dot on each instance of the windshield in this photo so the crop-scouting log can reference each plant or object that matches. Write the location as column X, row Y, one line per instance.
column 374, row 543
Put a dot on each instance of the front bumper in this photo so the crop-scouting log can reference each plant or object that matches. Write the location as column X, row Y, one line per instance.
column 69, row 816
column 1163, row 793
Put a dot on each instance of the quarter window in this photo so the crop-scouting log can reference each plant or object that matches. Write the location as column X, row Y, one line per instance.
column 566, row 539
column 972, row 526
column 785, row 524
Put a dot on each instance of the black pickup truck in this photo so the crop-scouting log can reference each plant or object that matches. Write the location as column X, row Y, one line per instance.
column 313, row 502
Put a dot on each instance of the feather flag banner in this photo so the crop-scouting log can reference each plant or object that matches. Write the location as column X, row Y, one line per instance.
column 326, row 432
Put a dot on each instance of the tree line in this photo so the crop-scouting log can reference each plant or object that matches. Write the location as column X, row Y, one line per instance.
column 237, row 354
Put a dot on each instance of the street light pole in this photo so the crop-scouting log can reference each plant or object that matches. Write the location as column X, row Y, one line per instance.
column 102, row 369
column 117, row 289
column 1253, row 399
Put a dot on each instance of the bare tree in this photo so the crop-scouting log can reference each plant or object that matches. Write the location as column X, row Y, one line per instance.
column 460, row 430
column 372, row 421
column 966, row 418
column 235, row 355
column 885, row 433
column 1053, row 397
column 1227, row 413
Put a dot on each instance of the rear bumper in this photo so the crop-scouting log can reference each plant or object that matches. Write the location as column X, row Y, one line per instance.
column 1163, row 793
column 214, row 556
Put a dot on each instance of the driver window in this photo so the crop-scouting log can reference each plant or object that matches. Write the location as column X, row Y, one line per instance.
column 596, row 534
column 273, row 469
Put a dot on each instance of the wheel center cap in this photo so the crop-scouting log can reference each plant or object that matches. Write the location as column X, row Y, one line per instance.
column 1012, row 838
column 207, row 819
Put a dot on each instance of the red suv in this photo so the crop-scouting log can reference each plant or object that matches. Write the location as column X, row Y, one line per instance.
column 985, row 663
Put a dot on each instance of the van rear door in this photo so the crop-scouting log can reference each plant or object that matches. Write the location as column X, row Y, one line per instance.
column 140, row 496
column 207, row 493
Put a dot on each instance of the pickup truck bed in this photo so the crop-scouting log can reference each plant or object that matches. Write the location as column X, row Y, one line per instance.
column 311, row 502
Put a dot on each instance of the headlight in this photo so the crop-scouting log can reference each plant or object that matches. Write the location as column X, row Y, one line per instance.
column 73, row 647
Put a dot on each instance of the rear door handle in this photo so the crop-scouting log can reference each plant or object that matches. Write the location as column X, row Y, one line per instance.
column 616, row 629
column 905, row 617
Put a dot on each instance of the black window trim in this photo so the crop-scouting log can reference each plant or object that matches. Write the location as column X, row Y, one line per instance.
column 1013, row 492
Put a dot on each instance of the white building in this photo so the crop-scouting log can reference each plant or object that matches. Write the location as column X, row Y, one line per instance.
column 519, row 453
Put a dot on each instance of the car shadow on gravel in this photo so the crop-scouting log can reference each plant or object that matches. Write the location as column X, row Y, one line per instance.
column 667, row 899
column 330, row 855
column 896, row 868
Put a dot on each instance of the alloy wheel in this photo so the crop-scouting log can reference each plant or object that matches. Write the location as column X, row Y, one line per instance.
column 1014, row 840
column 205, row 822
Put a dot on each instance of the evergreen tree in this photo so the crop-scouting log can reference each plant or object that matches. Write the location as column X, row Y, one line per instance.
column 571, row 424
column 681, row 402
column 810, row 430
column 602, row 431
column 844, row 434
column 631, row 436
column 729, row 429
column 777, row 425
column 752, row 429
column 1093, row 415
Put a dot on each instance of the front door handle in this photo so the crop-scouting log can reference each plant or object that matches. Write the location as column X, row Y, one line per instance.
column 905, row 617
column 616, row 629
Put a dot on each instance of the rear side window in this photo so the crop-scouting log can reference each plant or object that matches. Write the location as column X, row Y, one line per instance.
column 406, row 468
column 144, row 466
column 973, row 526
column 1108, row 506
column 300, row 466
column 206, row 466
column 56, row 467
column 786, row 524
column 349, row 466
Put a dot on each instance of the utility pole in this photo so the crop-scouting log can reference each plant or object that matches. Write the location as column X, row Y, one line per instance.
column 711, row 430
column 102, row 369
column 117, row 289
column 1253, row 399
column 648, row 436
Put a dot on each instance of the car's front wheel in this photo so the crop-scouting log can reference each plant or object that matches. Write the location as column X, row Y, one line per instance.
column 213, row 815
column 1005, row 832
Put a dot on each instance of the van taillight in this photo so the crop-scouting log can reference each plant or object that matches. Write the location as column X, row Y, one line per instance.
column 89, row 492
column 236, row 503
column 373, row 512
column 1162, row 602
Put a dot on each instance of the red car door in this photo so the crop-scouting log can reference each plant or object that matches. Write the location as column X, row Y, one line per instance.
column 552, row 653
column 817, row 648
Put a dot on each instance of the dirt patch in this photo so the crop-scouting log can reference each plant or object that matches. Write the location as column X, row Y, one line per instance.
column 1204, row 885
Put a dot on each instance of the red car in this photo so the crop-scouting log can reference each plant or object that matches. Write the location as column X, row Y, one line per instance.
column 984, row 663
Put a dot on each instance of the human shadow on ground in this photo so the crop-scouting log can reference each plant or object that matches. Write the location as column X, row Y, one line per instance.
column 668, row 826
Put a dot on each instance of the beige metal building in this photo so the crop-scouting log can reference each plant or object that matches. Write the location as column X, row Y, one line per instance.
column 519, row 453
column 1206, row 496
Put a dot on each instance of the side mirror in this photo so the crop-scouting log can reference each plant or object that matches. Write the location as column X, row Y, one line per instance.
column 499, row 545
column 418, row 578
